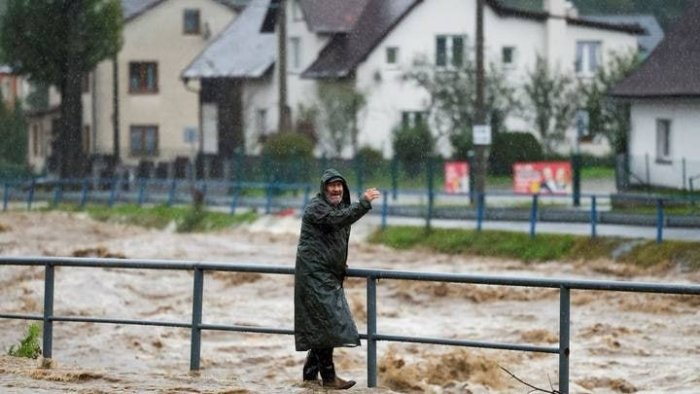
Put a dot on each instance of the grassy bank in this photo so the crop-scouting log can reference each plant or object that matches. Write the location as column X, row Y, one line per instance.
column 185, row 219
column 542, row 248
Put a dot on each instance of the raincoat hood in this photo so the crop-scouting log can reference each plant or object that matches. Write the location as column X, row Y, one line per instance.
column 332, row 174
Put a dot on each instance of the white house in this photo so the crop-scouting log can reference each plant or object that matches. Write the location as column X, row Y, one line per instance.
column 137, row 106
column 371, row 43
column 664, row 145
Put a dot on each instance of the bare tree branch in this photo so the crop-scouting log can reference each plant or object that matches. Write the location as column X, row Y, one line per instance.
column 534, row 388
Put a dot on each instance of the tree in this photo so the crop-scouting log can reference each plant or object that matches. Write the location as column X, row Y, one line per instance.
column 551, row 98
column 453, row 100
column 60, row 41
column 13, row 135
column 340, row 105
column 608, row 116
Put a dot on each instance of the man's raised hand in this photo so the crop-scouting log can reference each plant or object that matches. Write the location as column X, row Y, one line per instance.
column 372, row 194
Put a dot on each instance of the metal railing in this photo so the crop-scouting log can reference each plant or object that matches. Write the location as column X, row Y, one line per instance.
column 196, row 325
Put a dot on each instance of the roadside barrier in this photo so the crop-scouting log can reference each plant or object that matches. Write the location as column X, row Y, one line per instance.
column 372, row 336
column 427, row 204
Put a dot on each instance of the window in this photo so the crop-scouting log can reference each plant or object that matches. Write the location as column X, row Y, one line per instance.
column 449, row 51
column 413, row 118
column 190, row 22
column 143, row 140
column 261, row 121
column 663, row 140
column 143, row 77
column 297, row 14
column 294, row 53
column 392, row 55
column 508, row 56
column 587, row 57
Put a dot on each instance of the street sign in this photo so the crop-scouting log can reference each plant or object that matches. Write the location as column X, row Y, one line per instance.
column 482, row 135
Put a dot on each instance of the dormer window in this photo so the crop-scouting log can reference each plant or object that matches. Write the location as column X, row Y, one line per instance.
column 191, row 22
column 587, row 57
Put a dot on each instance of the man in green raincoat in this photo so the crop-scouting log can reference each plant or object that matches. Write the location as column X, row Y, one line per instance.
column 322, row 318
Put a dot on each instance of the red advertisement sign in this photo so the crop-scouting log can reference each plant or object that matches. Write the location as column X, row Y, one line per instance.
column 456, row 177
column 544, row 177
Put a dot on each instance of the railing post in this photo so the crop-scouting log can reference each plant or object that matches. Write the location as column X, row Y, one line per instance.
column 268, row 202
column 142, row 192
column 30, row 196
column 196, row 337
column 48, row 310
column 84, row 193
column 171, row 192
column 594, row 217
column 5, row 196
column 659, row 220
column 234, row 198
column 533, row 215
column 480, row 206
column 113, row 191
column 371, row 331
column 564, row 336
column 385, row 208
column 307, row 195
column 58, row 194
column 684, row 170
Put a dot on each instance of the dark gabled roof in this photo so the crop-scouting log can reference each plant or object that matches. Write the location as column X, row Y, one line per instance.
column 647, row 42
column 339, row 58
column 332, row 16
column 133, row 8
column 673, row 67
column 345, row 51
column 242, row 50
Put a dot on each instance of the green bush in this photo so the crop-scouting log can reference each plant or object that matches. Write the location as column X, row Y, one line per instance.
column 288, row 157
column 461, row 142
column 29, row 346
column 412, row 147
column 372, row 160
column 509, row 148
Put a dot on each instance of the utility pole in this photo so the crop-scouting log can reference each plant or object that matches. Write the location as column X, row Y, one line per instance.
column 481, row 132
column 284, row 114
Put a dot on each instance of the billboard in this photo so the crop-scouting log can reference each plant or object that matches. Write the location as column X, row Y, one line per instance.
column 544, row 177
column 456, row 177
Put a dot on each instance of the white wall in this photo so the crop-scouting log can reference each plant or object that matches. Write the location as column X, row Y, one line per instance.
column 685, row 140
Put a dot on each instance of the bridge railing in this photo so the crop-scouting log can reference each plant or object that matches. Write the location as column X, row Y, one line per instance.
column 372, row 336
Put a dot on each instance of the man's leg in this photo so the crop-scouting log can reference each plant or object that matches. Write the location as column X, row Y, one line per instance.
column 312, row 366
column 328, row 375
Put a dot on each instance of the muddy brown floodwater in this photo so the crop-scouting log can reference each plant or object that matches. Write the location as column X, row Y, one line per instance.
column 620, row 342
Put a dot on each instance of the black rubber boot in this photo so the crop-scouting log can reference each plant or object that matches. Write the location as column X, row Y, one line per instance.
column 330, row 379
column 311, row 367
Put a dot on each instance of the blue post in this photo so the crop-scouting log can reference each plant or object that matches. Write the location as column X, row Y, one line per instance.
column 196, row 334
column 58, row 194
column 594, row 217
column 307, row 195
column 30, row 196
column 394, row 178
column 480, row 207
column 385, row 208
column 533, row 215
column 113, row 191
column 234, row 199
column 268, row 203
column 84, row 193
column 142, row 192
column 48, row 310
column 171, row 192
column 6, row 196
column 659, row 220
column 564, row 338
column 371, row 331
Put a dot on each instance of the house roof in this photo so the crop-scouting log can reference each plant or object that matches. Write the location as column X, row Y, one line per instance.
column 345, row 51
column 242, row 50
column 339, row 58
column 332, row 16
column 648, row 41
column 133, row 8
column 671, row 70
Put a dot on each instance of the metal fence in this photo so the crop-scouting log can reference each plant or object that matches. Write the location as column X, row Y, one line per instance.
column 196, row 324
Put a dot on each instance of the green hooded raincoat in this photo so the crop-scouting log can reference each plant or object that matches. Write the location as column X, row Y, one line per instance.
column 322, row 318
